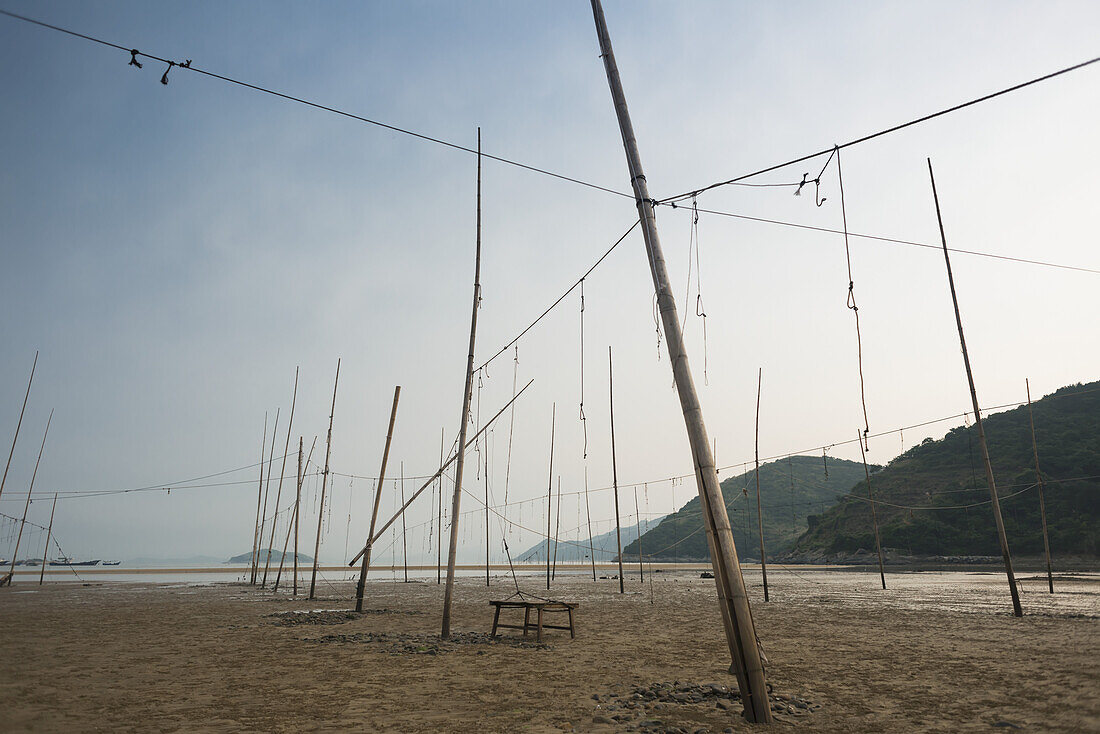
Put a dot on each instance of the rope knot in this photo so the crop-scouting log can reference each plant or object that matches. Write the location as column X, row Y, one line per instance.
column 133, row 58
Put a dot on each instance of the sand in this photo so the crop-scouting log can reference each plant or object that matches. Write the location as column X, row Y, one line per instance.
column 935, row 652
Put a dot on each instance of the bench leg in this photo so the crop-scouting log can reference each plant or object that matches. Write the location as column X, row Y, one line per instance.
column 538, row 637
column 496, row 619
column 526, row 619
column 572, row 632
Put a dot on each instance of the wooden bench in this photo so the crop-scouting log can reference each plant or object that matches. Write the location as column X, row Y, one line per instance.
column 540, row 607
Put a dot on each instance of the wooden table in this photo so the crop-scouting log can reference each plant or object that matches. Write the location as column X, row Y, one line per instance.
column 540, row 607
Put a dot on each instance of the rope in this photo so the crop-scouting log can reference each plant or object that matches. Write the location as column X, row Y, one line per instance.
column 584, row 421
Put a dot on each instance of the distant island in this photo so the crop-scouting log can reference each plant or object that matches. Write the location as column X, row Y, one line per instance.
column 276, row 557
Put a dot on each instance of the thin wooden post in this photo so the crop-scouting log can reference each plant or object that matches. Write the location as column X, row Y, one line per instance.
column 282, row 471
column 557, row 531
column 737, row 618
column 874, row 513
column 259, row 497
column 638, row 517
column 267, row 493
column 614, row 465
column 1017, row 610
column 27, row 504
column 46, row 548
column 404, row 528
column 439, row 519
column 467, row 394
column 550, row 491
column 1042, row 499
column 324, row 484
column 19, row 424
column 486, row 514
column 588, row 516
column 377, row 501
column 297, row 506
column 759, row 508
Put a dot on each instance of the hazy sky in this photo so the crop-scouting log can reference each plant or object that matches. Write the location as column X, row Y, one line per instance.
column 175, row 251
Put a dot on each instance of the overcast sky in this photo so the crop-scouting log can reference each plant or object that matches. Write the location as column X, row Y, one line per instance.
column 174, row 252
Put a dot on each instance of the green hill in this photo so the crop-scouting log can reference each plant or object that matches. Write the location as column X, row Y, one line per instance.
column 790, row 490
column 947, row 479
column 604, row 545
column 275, row 557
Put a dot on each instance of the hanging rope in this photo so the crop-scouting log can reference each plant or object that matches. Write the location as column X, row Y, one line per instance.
column 852, row 300
column 700, row 312
column 584, row 421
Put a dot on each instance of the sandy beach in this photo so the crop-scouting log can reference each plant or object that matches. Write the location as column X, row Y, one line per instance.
column 934, row 652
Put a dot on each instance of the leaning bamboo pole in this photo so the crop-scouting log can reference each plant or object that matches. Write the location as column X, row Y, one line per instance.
column 324, row 485
column 1042, row 499
column 267, row 493
column 737, row 618
column 18, row 425
column 282, row 472
column 46, row 548
column 439, row 517
column 467, row 394
column 557, row 532
column 588, row 517
column 1017, row 610
column 377, row 500
column 759, row 508
column 874, row 512
column 27, row 504
column 259, row 498
column 615, row 468
column 550, row 491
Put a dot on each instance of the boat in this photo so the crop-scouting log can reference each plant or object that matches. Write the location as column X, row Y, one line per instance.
column 111, row 563
column 69, row 562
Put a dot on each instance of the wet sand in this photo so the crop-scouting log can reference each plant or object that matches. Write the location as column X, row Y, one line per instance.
column 935, row 652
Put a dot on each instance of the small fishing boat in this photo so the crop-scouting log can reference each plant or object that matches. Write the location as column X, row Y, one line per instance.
column 111, row 563
column 69, row 562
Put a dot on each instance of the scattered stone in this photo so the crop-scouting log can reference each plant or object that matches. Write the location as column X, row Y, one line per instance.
column 409, row 644
column 601, row 719
column 1006, row 724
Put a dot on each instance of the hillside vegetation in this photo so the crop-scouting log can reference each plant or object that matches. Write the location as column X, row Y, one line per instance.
column 945, row 481
column 790, row 490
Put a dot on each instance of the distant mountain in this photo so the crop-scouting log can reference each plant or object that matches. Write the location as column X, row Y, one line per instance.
column 276, row 556
column 947, row 479
column 604, row 546
column 790, row 492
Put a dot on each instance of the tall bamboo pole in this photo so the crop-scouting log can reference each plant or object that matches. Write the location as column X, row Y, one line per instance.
column 282, row 471
column 46, row 548
column 439, row 519
column 759, row 509
column 738, row 622
column 259, row 497
column 297, row 507
column 324, row 484
column 638, row 517
column 292, row 526
column 27, row 504
column 404, row 529
column 1017, row 610
column 267, row 493
column 19, row 424
column 377, row 501
column 1042, row 499
column 588, row 516
column 486, row 514
column 874, row 512
column 550, row 491
column 615, row 468
column 467, row 394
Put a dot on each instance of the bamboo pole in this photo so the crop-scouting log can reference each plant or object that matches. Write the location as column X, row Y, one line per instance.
column 557, row 531
column 18, row 425
column 46, row 548
column 638, row 517
column 404, row 529
column 588, row 515
column 456, row 500
column 432, row 478
column 759, row 509
column 297, row 505
column 1017, row 610
column 259, row 497
column 267, row 493
column 377, row 501
column 1042, row 499
column 614, row 467
column 439, row 518
column 27, row 504
column 739, row 627
column 282, row 471
column 324, row 484
column 550, row 491
column 874, row 512
column 486, row 514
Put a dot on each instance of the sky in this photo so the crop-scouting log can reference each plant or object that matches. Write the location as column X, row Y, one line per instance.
column 174, row 252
